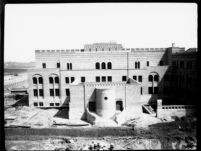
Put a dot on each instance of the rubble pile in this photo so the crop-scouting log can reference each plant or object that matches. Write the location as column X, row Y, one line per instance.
column 98, row 146
column 30, row 116
column 143, row 121
column 60, row 121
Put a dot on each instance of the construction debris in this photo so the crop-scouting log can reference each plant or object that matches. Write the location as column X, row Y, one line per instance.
column 98, row 146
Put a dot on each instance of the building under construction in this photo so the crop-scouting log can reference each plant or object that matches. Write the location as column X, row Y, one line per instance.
column 106, row 78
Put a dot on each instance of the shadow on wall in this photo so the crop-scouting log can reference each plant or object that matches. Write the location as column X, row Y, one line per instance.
column 156, row 82
column 170, row 89
column 64, row 109
column 24, row 101
column 91, row 105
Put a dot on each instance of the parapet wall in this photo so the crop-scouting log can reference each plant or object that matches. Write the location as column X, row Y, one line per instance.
column 174, row 110
column 101, row 84
column 105, row 50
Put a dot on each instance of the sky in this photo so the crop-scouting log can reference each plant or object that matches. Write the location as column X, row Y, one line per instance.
column 30, row 27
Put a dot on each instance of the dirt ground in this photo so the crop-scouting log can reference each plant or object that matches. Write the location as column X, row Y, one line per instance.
column 104, row 143
column 178, row 134
column 152, row 133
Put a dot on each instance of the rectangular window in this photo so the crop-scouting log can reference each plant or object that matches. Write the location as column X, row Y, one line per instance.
column 150, row 90
column 51, row 104
column 189, row 65
column 82, row 79
column 67, row 92
column 57, row 104
column 57, row 92
column 109, row 78
column 35, row 91
column 58, row 65
column 173, row 77
column 196, row 64
column 67, row 79
column 124, row 78
column 92, row 106
column 51, row 92
column 40, row 92
column 72, row 79
column 134, row 77
column 166, row 77
column 161, row 63
column 165, row 90
column 40, row 103
column 155, row 90
column 140, row 78
column 97, row 79
column 182, row 64
column 68, row 66
column 147, row 63
column 35, row 104
column 44, row 65
column 174, row 63
column 103, row 79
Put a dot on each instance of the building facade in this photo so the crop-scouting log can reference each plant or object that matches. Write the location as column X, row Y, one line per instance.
column 72, row 77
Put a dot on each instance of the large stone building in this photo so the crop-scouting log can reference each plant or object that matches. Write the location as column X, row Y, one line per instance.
column 105, row 77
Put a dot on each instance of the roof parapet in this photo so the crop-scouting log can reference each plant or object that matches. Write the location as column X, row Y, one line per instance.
column 83, row 50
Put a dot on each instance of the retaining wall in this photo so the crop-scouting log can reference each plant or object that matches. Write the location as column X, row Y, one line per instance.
column 175, row 110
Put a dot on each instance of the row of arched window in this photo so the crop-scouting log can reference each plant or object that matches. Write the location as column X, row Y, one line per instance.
column 53, row 80
column 153, row 78
column 69, row 66
column 137, row 65
column 38, row 79
column 103, row 65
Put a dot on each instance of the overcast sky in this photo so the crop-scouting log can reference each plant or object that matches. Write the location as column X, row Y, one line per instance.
column 69, row 26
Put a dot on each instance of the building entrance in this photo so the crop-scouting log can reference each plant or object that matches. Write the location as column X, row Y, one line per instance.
column 119, row 105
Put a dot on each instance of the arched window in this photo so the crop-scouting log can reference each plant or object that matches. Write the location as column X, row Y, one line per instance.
column 97, row 65
column 68, row 66
column 150, row 78
column 147, row 63
column 109, row 65
column 138, row 65
column 135, row 65
column 50, row 80
column 34, row 80
column 71, row 66
column 56, row 79
column 156, row 77
column 103, row 65
column 40, row 79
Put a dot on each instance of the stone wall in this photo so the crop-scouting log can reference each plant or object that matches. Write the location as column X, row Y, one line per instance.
column 164, row 111
column 81, row 95
column 83, row 65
